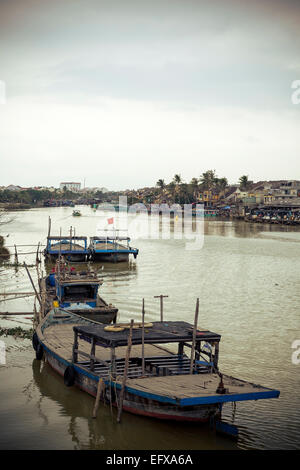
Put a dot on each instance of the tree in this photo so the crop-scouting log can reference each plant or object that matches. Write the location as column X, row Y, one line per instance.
column 195, row 187
column 244, row 183
column 161, row 184
column 177, row 179
column 208, row 179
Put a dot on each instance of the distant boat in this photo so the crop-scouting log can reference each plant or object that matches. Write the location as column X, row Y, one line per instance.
column 72, row 248
column 76, row 213
column 112, row 248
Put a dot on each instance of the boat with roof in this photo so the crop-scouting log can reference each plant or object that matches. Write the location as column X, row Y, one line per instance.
column 76, row 291
column 164, row 369
column 111, row 246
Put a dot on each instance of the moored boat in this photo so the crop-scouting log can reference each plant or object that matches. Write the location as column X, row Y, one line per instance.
column 162, row 380
column 77, row 292
column 113, row 248
column 76, row 213
column 71, row 247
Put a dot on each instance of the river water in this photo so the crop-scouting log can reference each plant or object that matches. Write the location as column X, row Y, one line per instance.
column 247, row 279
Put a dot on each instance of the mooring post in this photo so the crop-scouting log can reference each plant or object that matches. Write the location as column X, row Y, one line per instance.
column 194, row 336
column 100, row 388
column 161, row 297
column 49, row 226
column 37, row 253
column 16, row 255
column 125, row 371
column 143, row 337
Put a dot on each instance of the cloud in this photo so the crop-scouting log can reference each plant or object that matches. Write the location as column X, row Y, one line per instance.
column 149, row 88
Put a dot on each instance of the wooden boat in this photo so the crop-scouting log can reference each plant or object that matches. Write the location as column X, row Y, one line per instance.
column 71, row 247
column 162, row 381
column 112, row 248
column 76, row 213
column 76, row 292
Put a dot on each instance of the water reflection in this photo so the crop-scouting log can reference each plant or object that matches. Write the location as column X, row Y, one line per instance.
column 134, row 432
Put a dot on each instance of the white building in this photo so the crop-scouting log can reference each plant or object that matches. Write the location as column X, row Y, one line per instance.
column 70, row 186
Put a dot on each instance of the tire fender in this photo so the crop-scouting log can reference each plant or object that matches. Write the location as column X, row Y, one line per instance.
column 35, row 341
column 69, row 376
column 39, row 352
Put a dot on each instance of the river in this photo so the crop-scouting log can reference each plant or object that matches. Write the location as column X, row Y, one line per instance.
column 247, row 279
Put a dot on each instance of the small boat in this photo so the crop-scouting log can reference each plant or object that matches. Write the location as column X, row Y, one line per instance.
column 112, row 248
column 76, row 213
column 71, row 247
column 77, row 292
column 158, row 378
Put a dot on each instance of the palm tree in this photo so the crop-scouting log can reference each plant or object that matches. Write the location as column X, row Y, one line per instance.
column 177, row 179
column 172, row 188
column 195, row 186
column 244, row 183
column 161, row 184
column 221, row 184
column 208, row 179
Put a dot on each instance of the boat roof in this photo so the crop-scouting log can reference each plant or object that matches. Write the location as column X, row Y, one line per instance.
column 79, row 278
column 109, row 237
column 66, row 238
column 160, row 332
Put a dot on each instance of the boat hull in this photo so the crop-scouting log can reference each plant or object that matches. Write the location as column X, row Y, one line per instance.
column 110, row 257
column 132, row 403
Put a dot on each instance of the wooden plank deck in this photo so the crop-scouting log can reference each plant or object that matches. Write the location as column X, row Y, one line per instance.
column 179, row 387
column 66, row 247
column 60, row 340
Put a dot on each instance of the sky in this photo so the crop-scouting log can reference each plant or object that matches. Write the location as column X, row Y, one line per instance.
column 122, row 93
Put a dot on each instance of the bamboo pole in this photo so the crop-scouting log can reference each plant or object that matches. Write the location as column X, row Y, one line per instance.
column 100, row 389
column 49, row 226
column 37, row 253
column 125, row 371
column 15, row 313
column 143, row 338
column 32, row 283
column 17, row 293
column 194, row 336
column 161, row 297
column 16, row 255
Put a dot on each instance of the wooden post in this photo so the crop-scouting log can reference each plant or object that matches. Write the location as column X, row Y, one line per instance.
column 93, row 351
column 16, row 255
column 161, row 297
column 143, row 338
column 32, row 283
column 125, row 371
column 49, row 226
column 194, row 336
column 75, row 348
column 100, row 388
column 71, row 238
column 37, row 253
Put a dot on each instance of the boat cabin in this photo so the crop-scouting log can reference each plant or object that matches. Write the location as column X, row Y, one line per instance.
column 175, row 362
column 81, row 287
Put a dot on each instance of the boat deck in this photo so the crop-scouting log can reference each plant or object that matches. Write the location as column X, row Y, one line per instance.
column 69, row 247
column 60, row 340
column 177, row 388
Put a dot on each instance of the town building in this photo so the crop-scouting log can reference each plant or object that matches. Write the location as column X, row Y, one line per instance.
column 70, row 186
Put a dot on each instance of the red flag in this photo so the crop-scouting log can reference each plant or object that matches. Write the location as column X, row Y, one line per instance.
column 110, row 221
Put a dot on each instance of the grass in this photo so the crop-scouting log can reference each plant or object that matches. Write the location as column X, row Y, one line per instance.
column 17, row 332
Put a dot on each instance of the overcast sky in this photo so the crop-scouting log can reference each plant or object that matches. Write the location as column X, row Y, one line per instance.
column 124, row 92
